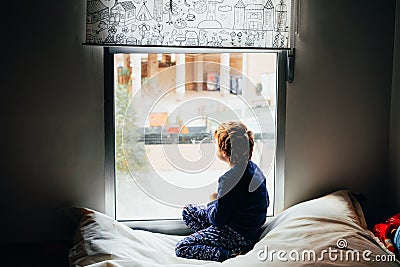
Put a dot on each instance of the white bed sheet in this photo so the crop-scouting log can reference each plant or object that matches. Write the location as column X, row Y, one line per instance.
column 305, row 229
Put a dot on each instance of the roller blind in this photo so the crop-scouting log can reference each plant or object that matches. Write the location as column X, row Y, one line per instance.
column 189, row 23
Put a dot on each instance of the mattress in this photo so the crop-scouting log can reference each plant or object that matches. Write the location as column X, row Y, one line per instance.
column 327, row 231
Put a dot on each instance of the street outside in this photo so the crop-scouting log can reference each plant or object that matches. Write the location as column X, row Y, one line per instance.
column 135, row 204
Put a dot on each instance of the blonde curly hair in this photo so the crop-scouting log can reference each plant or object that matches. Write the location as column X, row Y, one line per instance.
column 235, row 140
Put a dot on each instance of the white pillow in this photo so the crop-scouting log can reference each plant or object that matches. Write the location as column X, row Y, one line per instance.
column 334, row 223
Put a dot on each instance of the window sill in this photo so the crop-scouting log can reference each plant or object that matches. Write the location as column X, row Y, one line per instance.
column 171, row 227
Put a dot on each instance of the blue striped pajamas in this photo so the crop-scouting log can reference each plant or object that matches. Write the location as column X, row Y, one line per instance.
column 209, row 242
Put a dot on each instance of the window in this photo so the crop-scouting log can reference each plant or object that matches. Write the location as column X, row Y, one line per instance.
column 164, row 109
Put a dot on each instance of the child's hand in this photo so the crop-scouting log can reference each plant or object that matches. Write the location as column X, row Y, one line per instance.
column 214, row 196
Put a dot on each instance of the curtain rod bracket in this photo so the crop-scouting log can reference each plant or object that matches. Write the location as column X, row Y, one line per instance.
column 290, row 55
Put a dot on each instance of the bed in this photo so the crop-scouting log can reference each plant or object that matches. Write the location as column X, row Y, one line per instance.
column 327, row 231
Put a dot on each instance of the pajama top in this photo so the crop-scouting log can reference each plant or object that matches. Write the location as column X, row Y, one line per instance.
column 242, row 201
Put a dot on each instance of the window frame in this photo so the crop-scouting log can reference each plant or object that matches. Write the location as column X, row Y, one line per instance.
column 177, row 226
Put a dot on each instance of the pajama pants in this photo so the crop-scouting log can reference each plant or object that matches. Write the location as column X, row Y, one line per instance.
column 209, row 242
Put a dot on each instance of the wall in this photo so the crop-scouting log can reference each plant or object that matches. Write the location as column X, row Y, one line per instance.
column 338, row 107
column 52, row 120
column 395, row 113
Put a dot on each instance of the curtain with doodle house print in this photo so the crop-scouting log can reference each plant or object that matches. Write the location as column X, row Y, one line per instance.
column 198, row 23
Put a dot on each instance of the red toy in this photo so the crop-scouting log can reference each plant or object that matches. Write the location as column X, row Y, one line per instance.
column 385, row 231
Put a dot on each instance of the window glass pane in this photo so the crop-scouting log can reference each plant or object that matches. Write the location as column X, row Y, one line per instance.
column 167, row 107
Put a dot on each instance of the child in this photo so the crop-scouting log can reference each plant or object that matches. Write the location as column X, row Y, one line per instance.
column 231, row 224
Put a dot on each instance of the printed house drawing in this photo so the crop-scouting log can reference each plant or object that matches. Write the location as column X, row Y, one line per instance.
column 96, row 11
column 256, row 17
column 123, row 13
